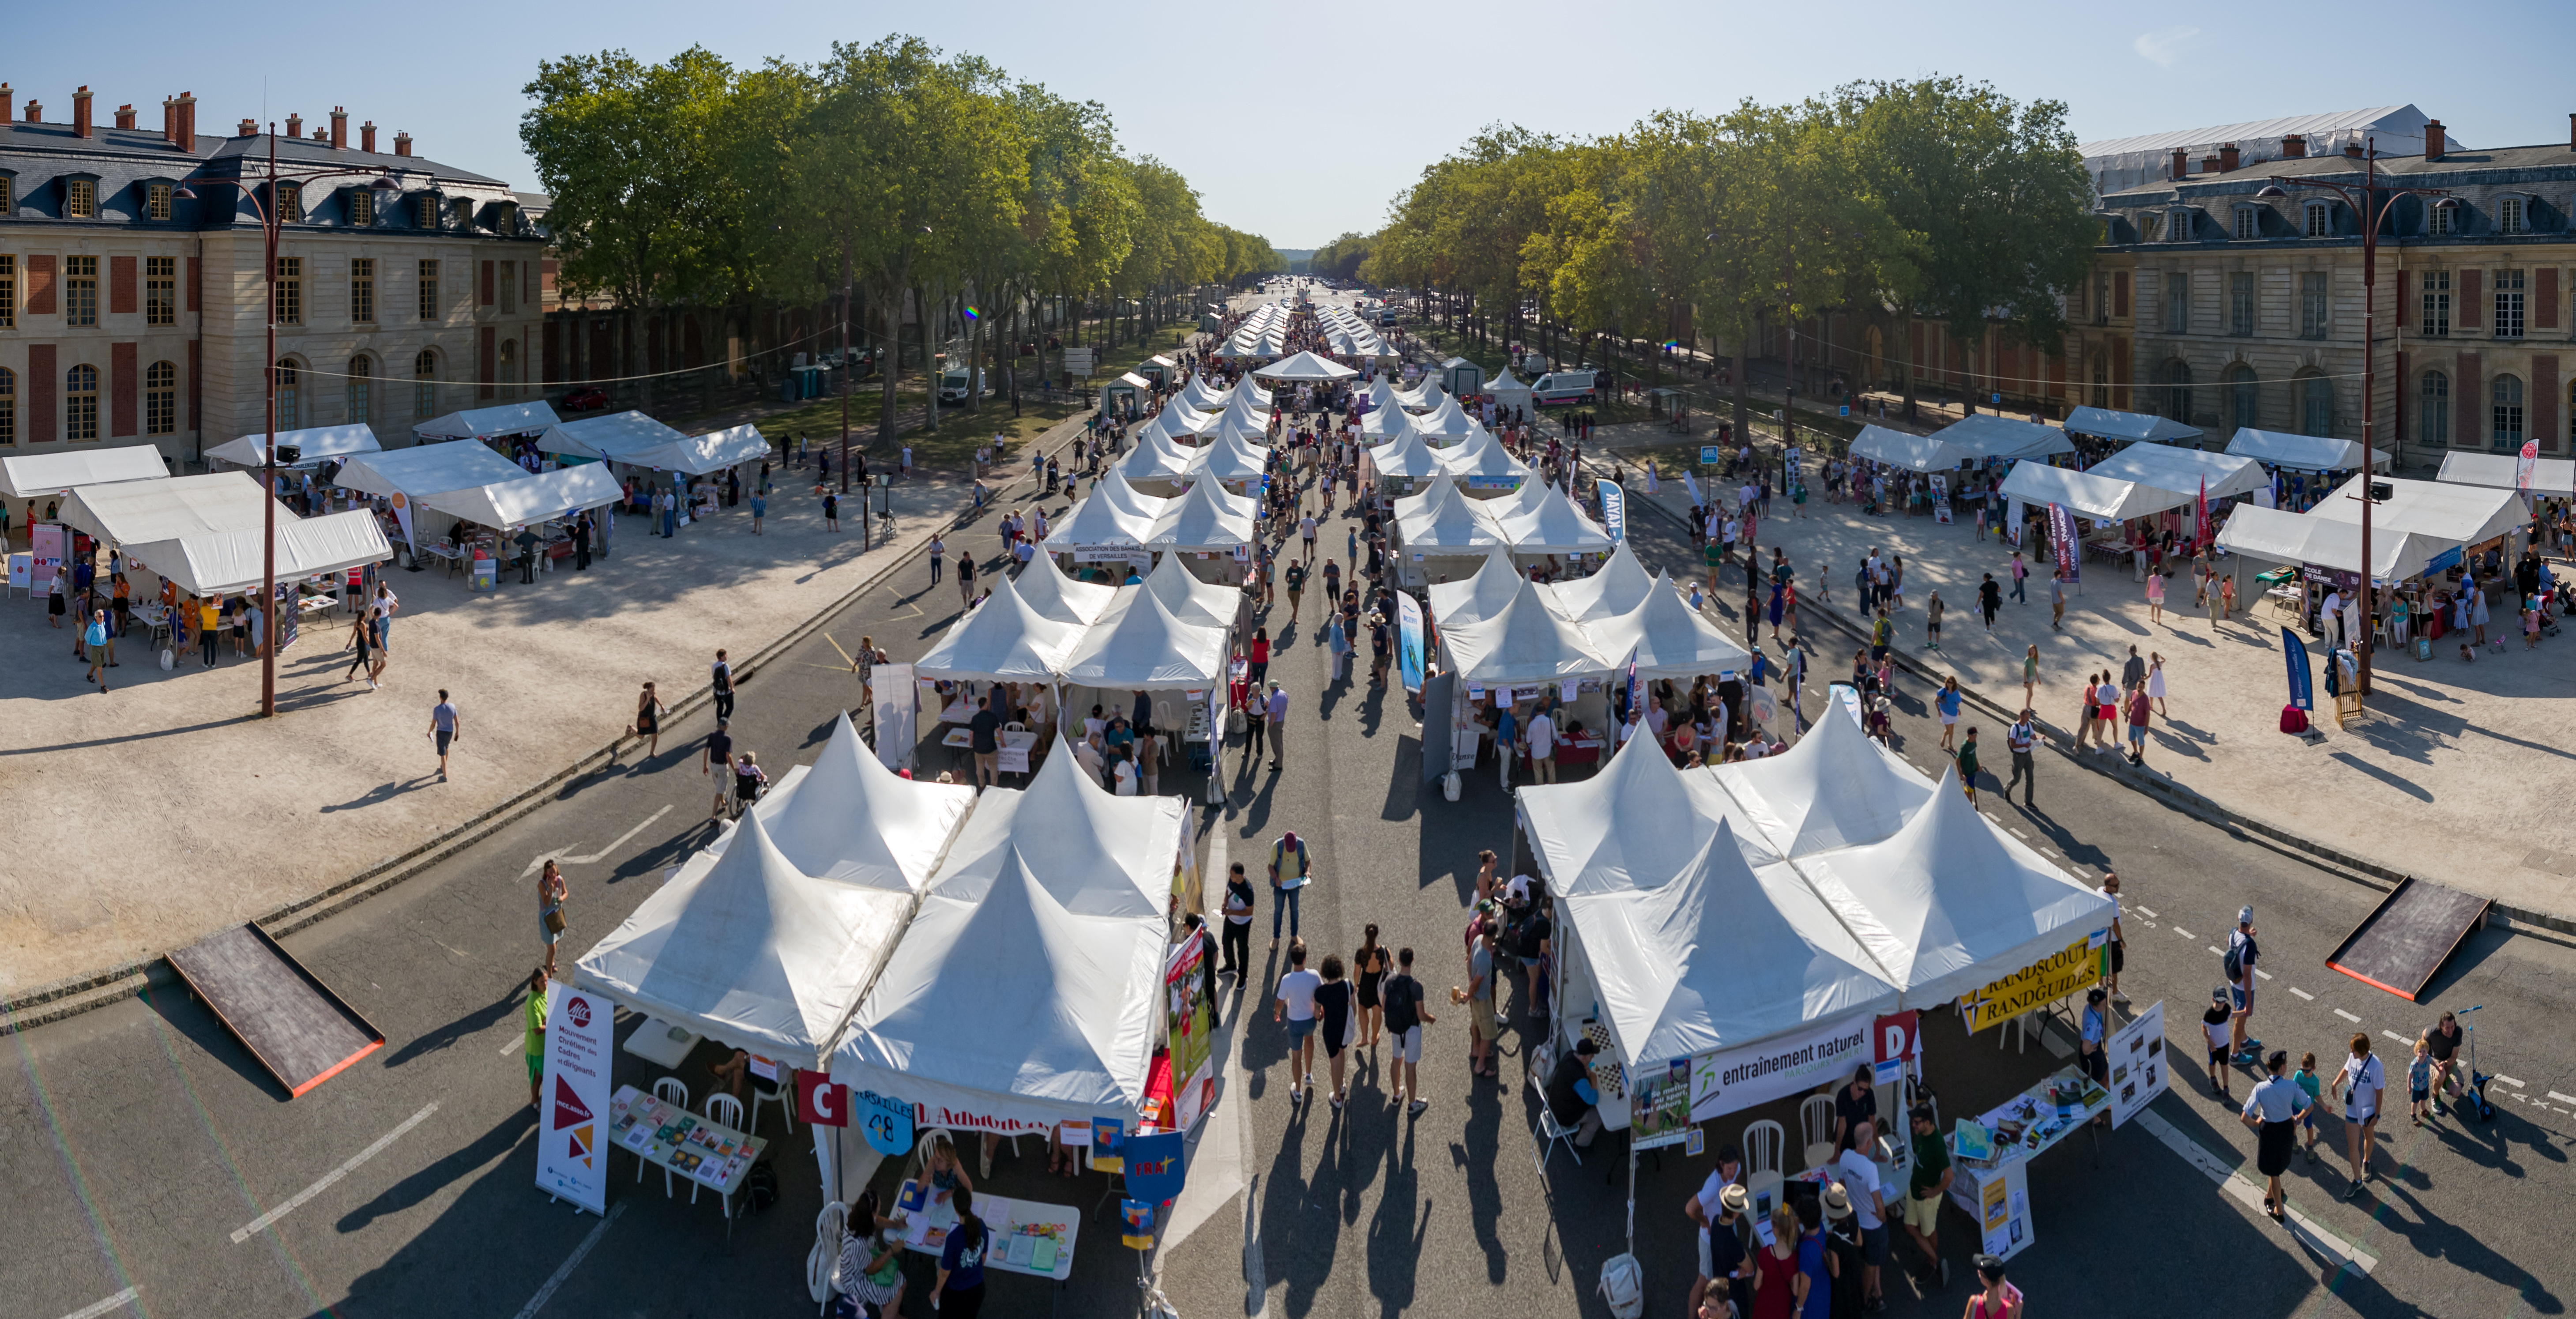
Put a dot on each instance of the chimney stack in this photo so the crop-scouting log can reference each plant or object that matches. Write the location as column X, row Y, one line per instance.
column 402, row 144
column 249, row 128
column 2228, row 159
column 2571, row 120
column 295, row 125
column 169, row 119
column 80, row 112
column 125, row 115
column 186, row 126
column 2433, row 144
column 2209, row 164
column 339, row 129
column 2181, row 164
column 319, row 135
column 35, row 111
column 367, row 137
column 9, row 109
column 2352, row 150
column 2294, row 147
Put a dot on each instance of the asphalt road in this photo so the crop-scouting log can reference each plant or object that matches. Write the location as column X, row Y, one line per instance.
column 140, row 1139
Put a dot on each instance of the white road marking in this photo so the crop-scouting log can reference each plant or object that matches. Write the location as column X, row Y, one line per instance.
column 2397, row 1037
column 2564, row 1099
column 2184, row 933
column 537, row 863
column 244, row 1232
column 2148, row 910
column 2258, row 971
column 2347, row 1016
column 2506, row 1079
column 2020, row 835
column 109, row 1306
column 571, row 1262
column 2214, row 950
column 2303, row 993
column 2303, row 1228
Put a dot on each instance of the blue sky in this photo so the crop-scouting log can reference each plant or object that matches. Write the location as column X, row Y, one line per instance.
column 1301, row 121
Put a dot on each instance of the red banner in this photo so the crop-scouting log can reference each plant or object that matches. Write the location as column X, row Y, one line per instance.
column 822, row 1101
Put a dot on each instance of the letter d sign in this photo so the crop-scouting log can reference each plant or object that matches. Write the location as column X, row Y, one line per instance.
column 1897, row 1037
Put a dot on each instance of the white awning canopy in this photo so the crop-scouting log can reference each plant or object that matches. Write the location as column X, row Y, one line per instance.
column 1442, row 521
column 2303, row 453
column 2138, row 426
column 53, row 473
column 1304, row 367
column 1229, row 455
column 849, row 819
column 1198, row 396
column 2281, row 536
column 1480, row 595
column 1985, row 435
column 1446, row 421
column 219, row 562
column 484, row 423
column 1837, row 787
column 504, row 505
column 426, row 469
column 1138, row 644
column 1668, row 638
column 142, row 512
column 2549, row 476
column 613, row 436
column 2183, row 470
column 701, row 454
column 320, row 444
column 1154, row 457
column 1481, row 461
column 1919, row 453
column 1205, row 518
column 2084, row 494
column 1001, row 640
column 1537, row 518
column 1620, row 585
column 2452, row 514
column 1045, row 589
column 1191, row 600
column 1123, row 517
column 1405, row 457
column 1525, row 641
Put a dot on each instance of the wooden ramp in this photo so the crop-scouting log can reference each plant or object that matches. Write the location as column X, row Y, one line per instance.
column 298, row 1029
column 2413, row 931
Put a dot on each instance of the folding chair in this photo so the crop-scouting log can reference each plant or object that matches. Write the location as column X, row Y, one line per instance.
column 1551, row 1133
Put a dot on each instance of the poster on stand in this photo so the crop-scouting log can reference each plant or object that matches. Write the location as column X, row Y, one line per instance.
column 2003, row 1205
column 572, row 1160
column 2139, row 1070
column 1189, row 1021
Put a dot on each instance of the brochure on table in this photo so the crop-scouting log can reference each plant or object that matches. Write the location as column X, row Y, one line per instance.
column 1025, row 1236
column 1989, row 1154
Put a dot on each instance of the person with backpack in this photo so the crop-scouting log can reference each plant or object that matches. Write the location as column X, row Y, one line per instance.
column 1407, row 1012
column 2239, row 965
column 1291, row 869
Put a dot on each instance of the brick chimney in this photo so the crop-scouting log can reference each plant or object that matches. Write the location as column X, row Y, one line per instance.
column 2209, row 164
column 169, row 119
column 2433, row 143
column 9, row 110
column 295, row 125
column 339, row 129
column 2228, row 158
column 2352, row 150
column 185, row 127
column 80, row 112
column 319, row 135
column 402, row 144
column 367, row 137
column 125, row 115
column 2181, row 163
column 2294, row 147
column 35, row 111
column 249, row 128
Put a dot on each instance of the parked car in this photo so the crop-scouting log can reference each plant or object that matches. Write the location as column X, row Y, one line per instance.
column 1559, row 387
column 589, row 398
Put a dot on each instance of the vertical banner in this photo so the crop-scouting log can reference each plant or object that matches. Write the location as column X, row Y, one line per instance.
column 1408, row 648
column 2525, row 465
column 2061, row 543
column 1693, row 487
column 891, row 691
column 46, row 540
column 572, row 1161
column 402, row 516
column 2139, row 1069
column 2302, row 690
column 1189, row 1024
column 2201, row 535
column 1614, row 509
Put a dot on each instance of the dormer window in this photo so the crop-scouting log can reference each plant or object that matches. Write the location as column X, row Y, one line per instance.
column 290, row 203
column 2442, row 219
column 2249, row 223
column 156, row 200
column 464, row 210
column 424, row 211
column 2147, row 226
column 2320, row 220
column 362, row 208
column 80, row 199
column 2509, row 219
column 8, row 194
column 2178, row 227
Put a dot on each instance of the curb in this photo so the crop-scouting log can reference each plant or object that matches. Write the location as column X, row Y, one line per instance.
column 79, row 993
column 2358, row 869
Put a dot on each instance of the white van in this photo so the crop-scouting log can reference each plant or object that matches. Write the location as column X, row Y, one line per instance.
column 1562, row 387
column 952, row 384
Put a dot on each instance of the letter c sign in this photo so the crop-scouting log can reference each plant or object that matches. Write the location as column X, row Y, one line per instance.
column 822, row 1101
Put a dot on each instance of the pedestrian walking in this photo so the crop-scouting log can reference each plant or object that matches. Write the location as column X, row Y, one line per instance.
column 2358, row 1086
column 1336, row 1020
column 2214, row 1029
column 2020, row 573
column 720, row 679
column 938, row 552
column 2119, row 936
column 2239, row 964
column 2419, row 1081
column 1369, row 966
column 1291, row 869
column 1968, row 765
column 966, row 579
column 2057, row 602
column 380, row 613
column 1407, row 1011
column 2156, row 597
column 1932, row 611
column 443, row 730
column 718, row 764
column 2306, row 1077
column 94, row 641
column 1990, row 600
column 759, row 507
column 1482, row 1027
column 2156, row 681
column 1948, row 701
column 1995, row 1298
column 551, row 893
column 363, row 644
column 1278, row 720
column 2139, row 708
column 831, row 510
column 1237, row 941
column 1294, row 1005
column 648, row 721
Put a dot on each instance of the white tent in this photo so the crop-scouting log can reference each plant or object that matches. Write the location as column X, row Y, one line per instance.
column 1043, row 587
column 849, row 819
column 1525, row 641
column 1243, row 418
column 2137, row 426
column 1138, row 644
column 2084, row 494
column 2281, row 536
column 1001, row 640
column 1422, row 397
column 1026, row 989
column 1619, row 586
column 1949, row 904
column 1199, row 396
column 1126, row 498
column 2449, row 513
column 320, row 444
column 1668, row 638
column 1985, row 435
column 2549, row 476
column 1837, row 787
column 142, row 512
column 1106, row 520
column 216, row 562
column 1509, row 392
column 1481, row 462
column 1191, row 600
column 1694, row 935
column 1387, row 424
column 1538, row 519
column 1381, row 395
column 1206, row 518
column 1230, row 455
column 484, row 423
column 1175, row 421
column 1304, row 367
column 2303, row 453
column 1406, row 458
column 1249, row 391
column 699, row 455
column 1442, row 521
column 1154, row 458
column 2183, row 470
column 1487, row 592
column 543, row 497
column 616, row 436
column 426, row 469
column 1446, row 421
column 1920, row 453
column 54, row 473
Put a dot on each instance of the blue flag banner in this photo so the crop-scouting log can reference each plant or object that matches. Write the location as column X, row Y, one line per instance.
column 1155, row 1166
column 1408, row 648
column 1614, row 509
column 2302, row 690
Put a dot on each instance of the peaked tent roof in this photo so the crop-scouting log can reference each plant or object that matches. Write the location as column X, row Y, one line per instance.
column 1304, row 366
column 2129, row 426
column 1103, row 520
column 1405, row 456
column 2303, row 453
column 1504, row 382
column 1985, row 435
column 1189, row 599
column 1044, row 588
column 1481, row 457
column 506, row 504
column 1948, row 904
column 751, row 951
column 2182, row 470
column 1481, row 594
column 1230, row 456
column 1387, row 423
column 2087, row 495
column 53, row 473
column 701, row 454
column 1537, row 518
column 849, row 819
column 1154, row 458
column 1176, row 420
column 1620, row 585
column 1001, row 640
column 1140, row 645
column 1205, row 517
column 1381, row 394
column 426, row 469
column 1921, row 453
column 1198, row 395
column 1669, row 638
column 1243, row 418
column 1447, row 421
column 1835, row 788
column 1071, row 882
column 1442, row 521
column 483, row 423
column 1526, row 641
column 141, row 512
column 613, row 436
column 1126, row 498
column 319, row 443
column 1423, row 396
column 216, row 562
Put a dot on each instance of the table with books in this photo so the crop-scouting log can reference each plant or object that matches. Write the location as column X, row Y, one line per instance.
column 1990, row 1154
column 669, row 1136
column 1027, row 1237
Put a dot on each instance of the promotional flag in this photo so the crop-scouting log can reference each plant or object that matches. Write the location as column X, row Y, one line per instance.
column 1631, row 669
column 2302, row 693
column 1614, row 509
column 2524, row 466
column 1156, row 1166
column 2200, row 519
column 2061, row 542
column 1137, row 1219
column 1693, row 486
column 1408, row 650
column 571, row 1165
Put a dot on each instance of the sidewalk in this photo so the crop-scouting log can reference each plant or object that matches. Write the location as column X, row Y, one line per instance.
column 165, row 809
column 2453, row 775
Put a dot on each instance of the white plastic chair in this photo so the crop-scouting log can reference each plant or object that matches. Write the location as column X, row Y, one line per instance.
column 1816, row 1125
column 777, row 1094
column 1764, row 1143
column 670, row 1090
column 823, row 1262
column 1552, row 1133
column 725, row 1111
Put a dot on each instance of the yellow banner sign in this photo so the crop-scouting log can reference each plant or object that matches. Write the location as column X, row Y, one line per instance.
column 2045, row 981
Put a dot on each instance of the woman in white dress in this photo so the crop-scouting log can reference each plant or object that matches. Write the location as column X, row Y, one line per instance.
column 2156, row 682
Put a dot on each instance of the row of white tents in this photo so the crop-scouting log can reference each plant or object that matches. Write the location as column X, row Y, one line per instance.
column 1206, row 519
column 1498, row 628
column 1442, row 534
column 1166, row 631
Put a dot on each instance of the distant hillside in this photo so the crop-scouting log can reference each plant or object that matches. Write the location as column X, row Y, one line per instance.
column 1297, row 258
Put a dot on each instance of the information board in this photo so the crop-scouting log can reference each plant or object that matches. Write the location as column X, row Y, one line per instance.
column 2139, row 1069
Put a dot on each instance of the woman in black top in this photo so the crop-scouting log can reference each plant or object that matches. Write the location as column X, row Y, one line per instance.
column 1333, row 1008
column 1370, row 964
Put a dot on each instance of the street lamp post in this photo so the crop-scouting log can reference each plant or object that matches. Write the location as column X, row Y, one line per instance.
column 2371, row 210
column 271, row 225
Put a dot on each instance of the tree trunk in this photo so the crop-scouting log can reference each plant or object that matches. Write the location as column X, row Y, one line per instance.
column 1744, row 380
column 890, row 308
column 1905, row 358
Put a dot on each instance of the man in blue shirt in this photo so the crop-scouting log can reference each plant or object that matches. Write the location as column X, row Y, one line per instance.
column 94, row 639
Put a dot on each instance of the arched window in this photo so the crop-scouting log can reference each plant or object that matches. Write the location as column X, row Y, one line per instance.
column 509, row 368
column 2434, row 394
column 424, row 387
column 8, row 406
column 2243, row 400
column 288, row 381
column 362, row 370
column 2316, row 405
column 2177, row 391
column 80, row 403
column 2507, row 397
column 161, row 399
